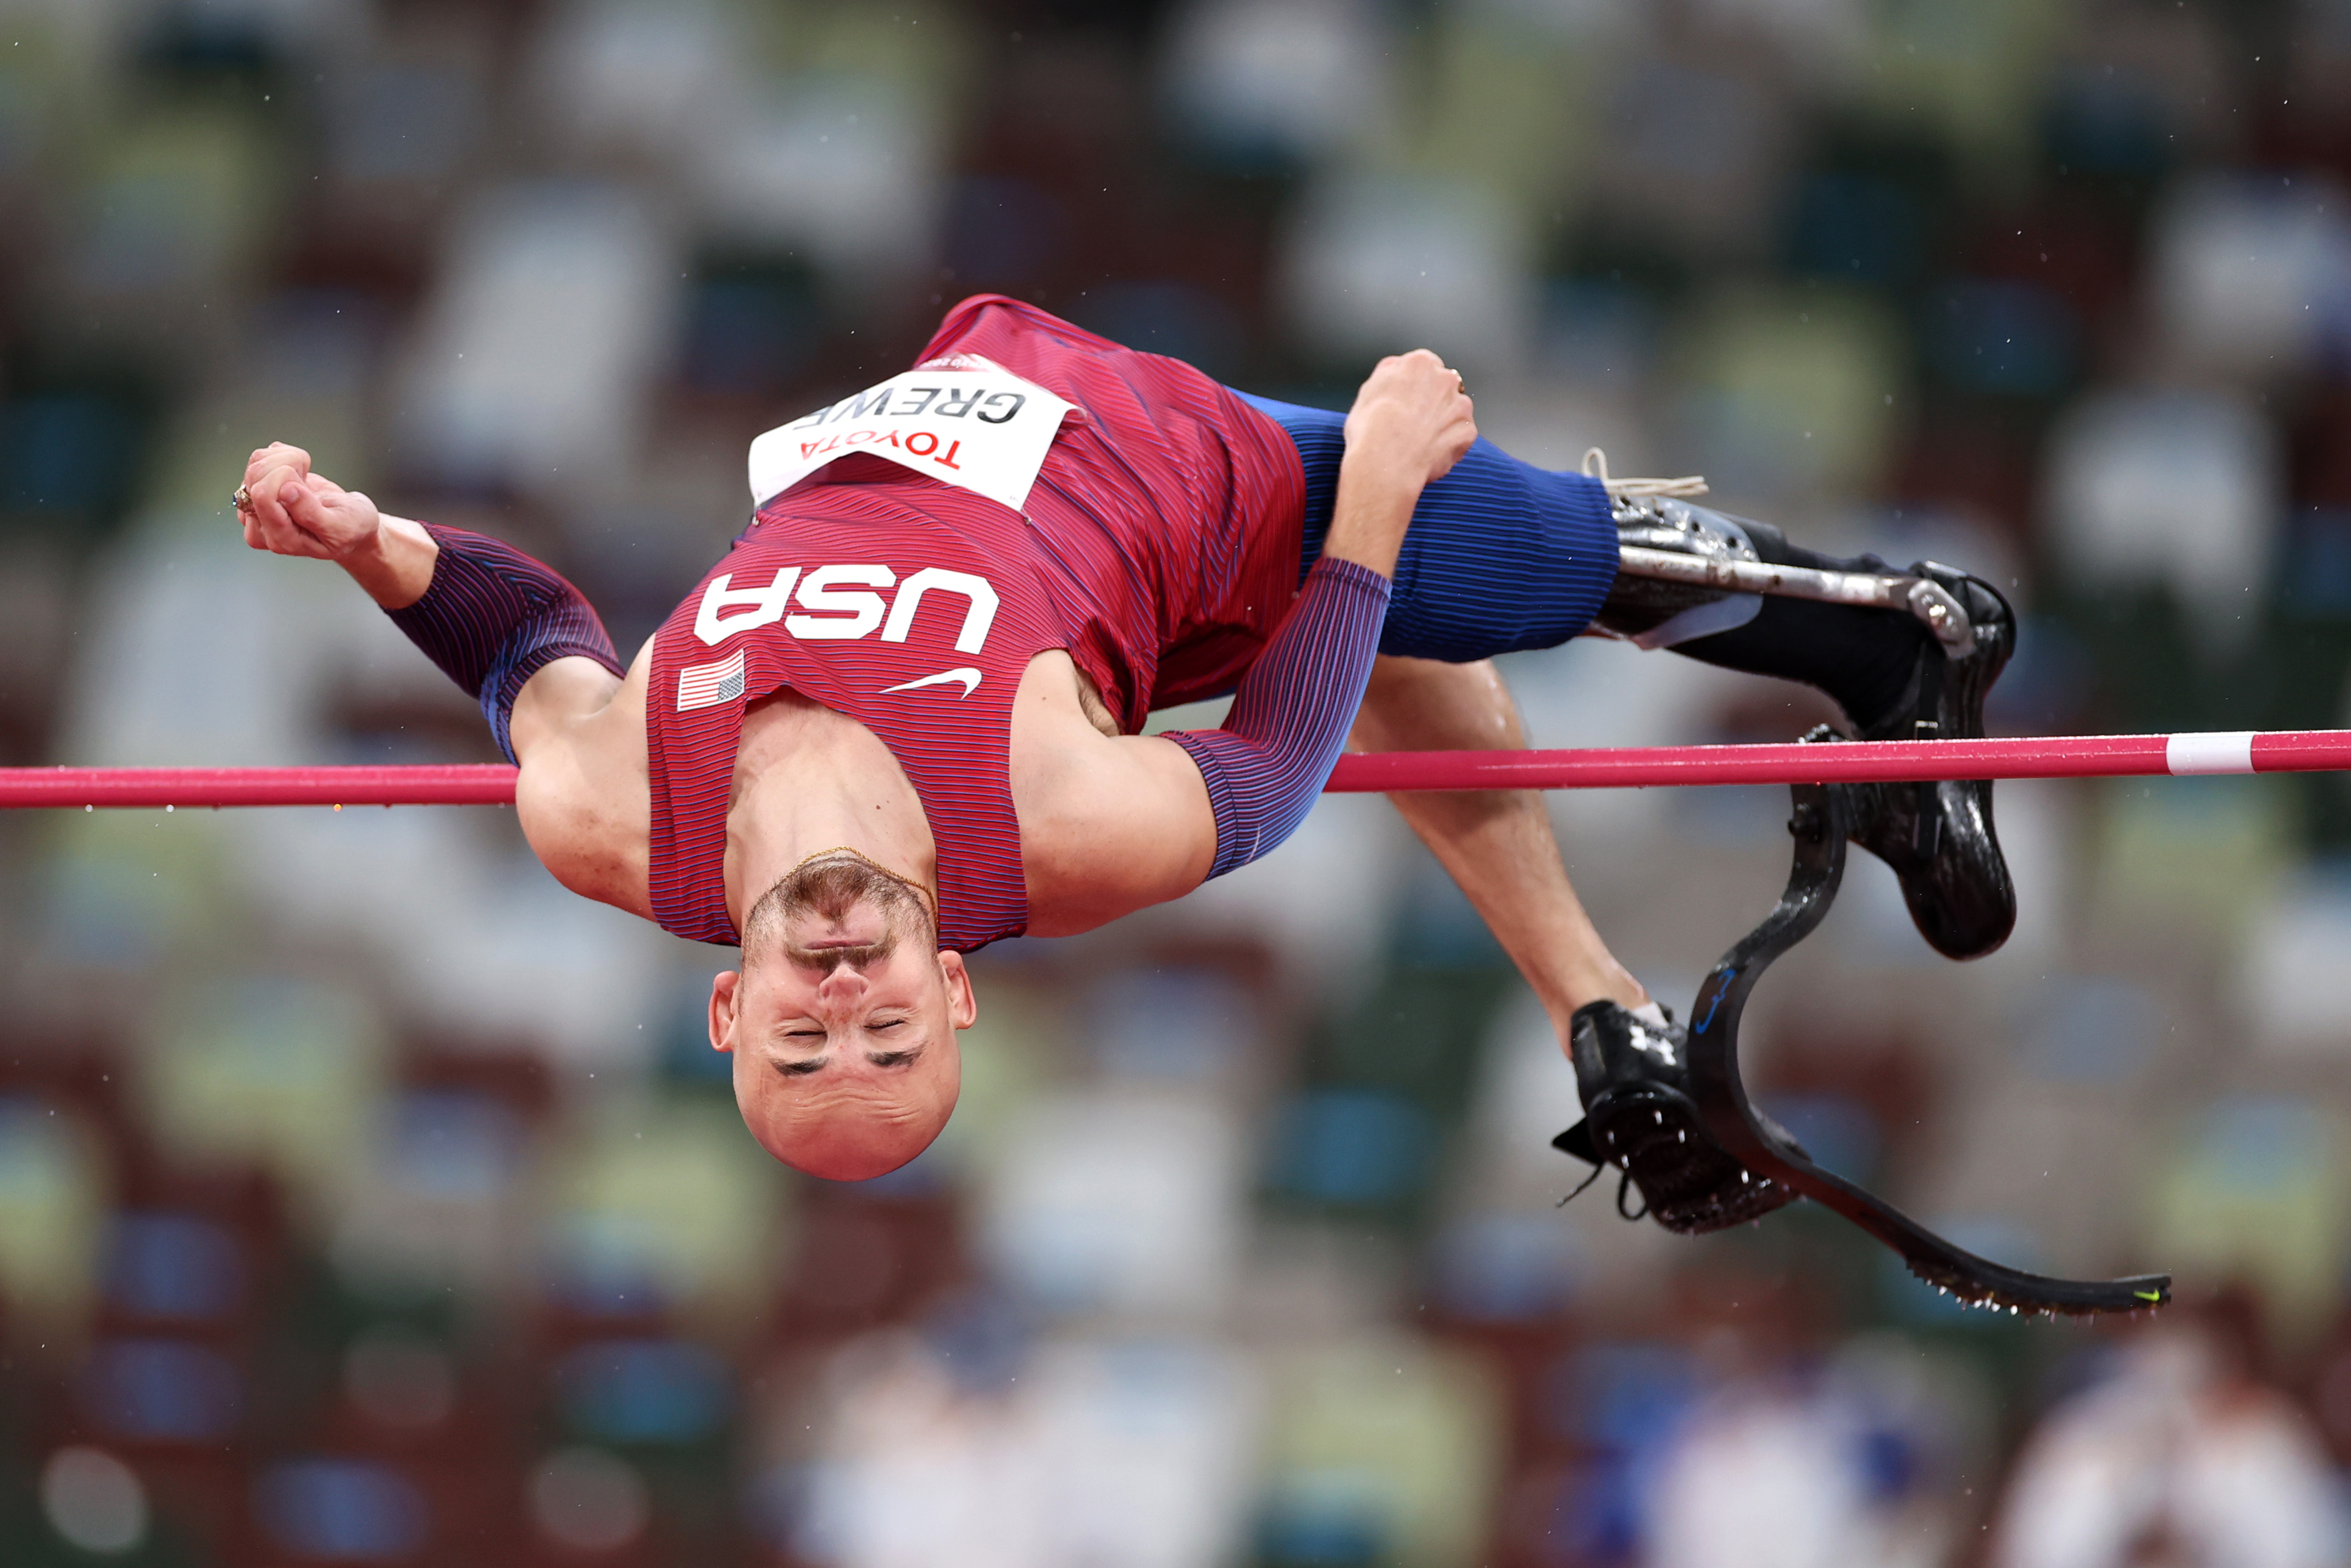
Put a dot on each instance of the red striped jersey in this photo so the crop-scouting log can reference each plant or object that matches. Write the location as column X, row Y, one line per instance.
column 1159, row 547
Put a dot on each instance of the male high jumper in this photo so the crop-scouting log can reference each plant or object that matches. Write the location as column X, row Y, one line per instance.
column 900, row 719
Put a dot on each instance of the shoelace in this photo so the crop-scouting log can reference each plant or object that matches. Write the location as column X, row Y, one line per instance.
column 1624, row 1185
column 1595, row 466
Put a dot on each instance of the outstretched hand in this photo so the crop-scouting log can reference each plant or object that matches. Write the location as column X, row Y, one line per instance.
column 291, row 510
column 1412, row 416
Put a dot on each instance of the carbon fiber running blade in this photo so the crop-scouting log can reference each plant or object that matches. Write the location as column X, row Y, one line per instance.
column 1976, row 1281
column 1823, row 816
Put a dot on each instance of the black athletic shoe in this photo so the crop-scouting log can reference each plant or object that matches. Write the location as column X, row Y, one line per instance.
column 1938, row 838
column 1639, row 1116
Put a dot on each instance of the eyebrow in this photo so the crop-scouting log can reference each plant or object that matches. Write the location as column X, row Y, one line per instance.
column 800, row 1067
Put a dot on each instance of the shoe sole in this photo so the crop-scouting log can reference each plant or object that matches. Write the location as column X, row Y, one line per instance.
column 1657, row 1136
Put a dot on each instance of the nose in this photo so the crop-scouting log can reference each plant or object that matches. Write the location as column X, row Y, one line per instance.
column 845, row 983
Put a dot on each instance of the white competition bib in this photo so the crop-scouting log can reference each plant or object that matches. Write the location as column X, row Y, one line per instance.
column 964, row 419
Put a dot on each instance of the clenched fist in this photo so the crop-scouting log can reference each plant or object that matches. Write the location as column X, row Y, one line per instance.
column 1412, row 416
column 286, row 510
column 289, row 510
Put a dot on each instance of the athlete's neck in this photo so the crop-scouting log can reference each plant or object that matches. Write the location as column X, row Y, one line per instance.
column 807, row 779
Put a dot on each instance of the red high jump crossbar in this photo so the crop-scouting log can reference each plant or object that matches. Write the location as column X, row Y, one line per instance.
column 1637, row 767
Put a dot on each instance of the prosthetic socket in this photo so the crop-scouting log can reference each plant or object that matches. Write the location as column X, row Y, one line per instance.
column 1687, row 572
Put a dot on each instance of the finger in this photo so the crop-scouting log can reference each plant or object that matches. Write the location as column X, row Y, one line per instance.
column 284, row 454
column 302, row 507
column 273, row 456
column 262, row 492
column 282, row 537
column 322, row 511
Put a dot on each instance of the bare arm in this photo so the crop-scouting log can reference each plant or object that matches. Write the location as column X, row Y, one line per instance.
column 577, row 729
column 293, row 511
column 1496, row 844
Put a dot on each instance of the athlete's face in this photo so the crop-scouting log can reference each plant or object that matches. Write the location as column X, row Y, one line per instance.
column 842, row 1022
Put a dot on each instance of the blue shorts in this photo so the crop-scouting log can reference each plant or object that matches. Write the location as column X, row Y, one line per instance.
column 1501, row 555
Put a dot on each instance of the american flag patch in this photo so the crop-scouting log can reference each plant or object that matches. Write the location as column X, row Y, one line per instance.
column 708, row 685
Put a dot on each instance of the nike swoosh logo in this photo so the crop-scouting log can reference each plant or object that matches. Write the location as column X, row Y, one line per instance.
column 967, row 678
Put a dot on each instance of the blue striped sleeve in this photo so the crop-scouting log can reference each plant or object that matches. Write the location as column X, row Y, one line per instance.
column 1290, row 717
column 493, row 618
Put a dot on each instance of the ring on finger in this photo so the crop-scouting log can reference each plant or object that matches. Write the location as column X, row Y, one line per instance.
column 241, row 500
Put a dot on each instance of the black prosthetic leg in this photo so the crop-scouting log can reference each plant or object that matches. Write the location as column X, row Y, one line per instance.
column 1673, row 1113
column 1907, row 656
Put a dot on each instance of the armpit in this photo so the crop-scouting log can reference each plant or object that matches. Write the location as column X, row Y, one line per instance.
column 1090, row 700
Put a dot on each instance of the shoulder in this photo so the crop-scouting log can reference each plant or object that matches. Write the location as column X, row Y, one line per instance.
column 1109, row 824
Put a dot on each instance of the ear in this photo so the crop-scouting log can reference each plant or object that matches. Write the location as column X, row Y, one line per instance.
column 725, row 999
column 963, row 1006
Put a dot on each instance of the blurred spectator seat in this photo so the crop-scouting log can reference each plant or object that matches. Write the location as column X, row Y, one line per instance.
column 161, row 1392
column 1119, row 1200
column 94, row 1500
column 53, row 1202
column 1371, row 262
column 1323, row 902
column 175, row 1268
column 664, row 1207
column 2251, row 272
column 1007, row 235
column 2293, row 982
column 1285, row 83
column 1507, row 1267
column 1689, row 159
column 1801, row 1463
column 640, row 79
column 342, row 1511
column 1511, row 100
column 2168, row 489
column 176, row 204
column 2191, row 860
column 2254, row 1189
column 281, row 1075
column 1970, row 79
column 1123, row 1454
column 585, row 1500
column 2097, row 1029
column 1380, row 1443
column 843, row 167
column 442, row 1208
column 1354, row 1148
column 1173, row 1023
column 859, row 1263
column 653, row 1393
column 535, row 357
column 2006, row 337
column 1792, row 394
column 403, row 123
column 1847, row 227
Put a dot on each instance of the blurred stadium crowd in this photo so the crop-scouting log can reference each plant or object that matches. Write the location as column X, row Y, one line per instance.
column 366, row 1199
